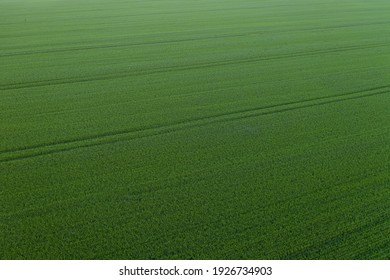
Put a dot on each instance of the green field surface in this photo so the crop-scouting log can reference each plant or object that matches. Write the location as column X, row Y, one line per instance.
column 194, row 129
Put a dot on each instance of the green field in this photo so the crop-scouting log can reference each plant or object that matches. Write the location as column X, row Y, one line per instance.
column 194, row 129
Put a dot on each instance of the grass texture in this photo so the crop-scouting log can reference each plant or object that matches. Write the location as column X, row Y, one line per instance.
column 194, row 129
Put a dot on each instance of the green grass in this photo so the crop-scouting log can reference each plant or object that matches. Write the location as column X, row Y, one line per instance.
column 194, row 129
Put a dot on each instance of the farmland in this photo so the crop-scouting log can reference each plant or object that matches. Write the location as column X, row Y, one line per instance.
column 194, row 129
